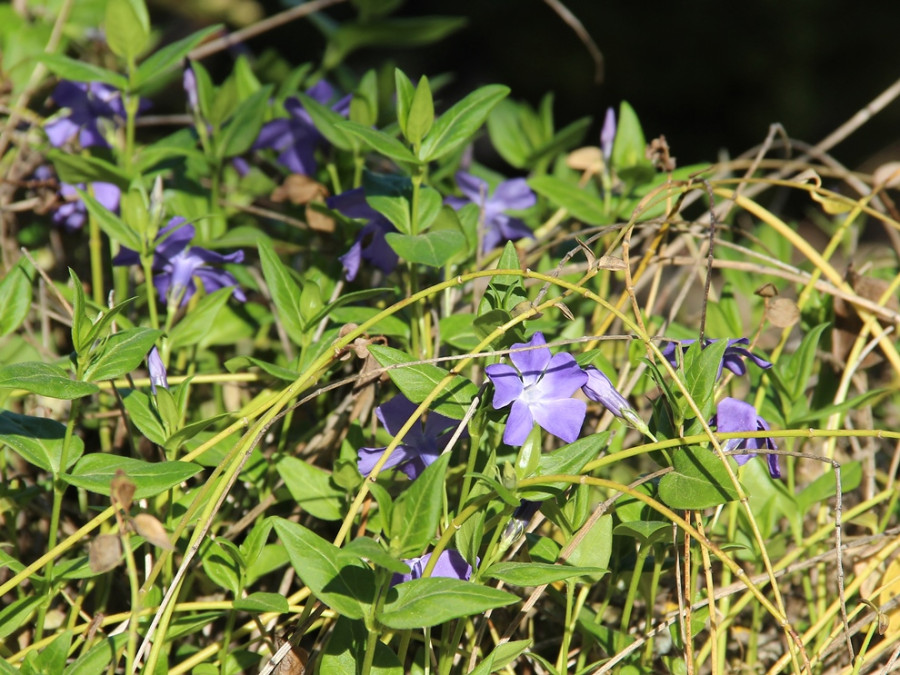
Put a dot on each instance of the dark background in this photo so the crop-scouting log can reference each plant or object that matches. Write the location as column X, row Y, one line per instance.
column 708, row 75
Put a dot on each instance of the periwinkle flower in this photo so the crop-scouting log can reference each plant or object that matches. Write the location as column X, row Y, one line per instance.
column 179, row 265
column 189, row 82
column 88, row 103
column 510, row 195
column 421, row 445
column 158, row 376
column 518, row 522
column 733, row 358
column 370, row 244
column 449, row 564
column 540, row 387
column 72, row 214
column 296, row 137
column 608, row 133
column 734, row 416
column 599, row 388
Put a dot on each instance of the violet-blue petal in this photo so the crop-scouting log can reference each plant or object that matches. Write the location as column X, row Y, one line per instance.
column 531, row 362
column 476, row 189
column 507, row 384
column 519, row 423
column 608, row 133
column 562, row 377
column 449, row 564
column 158, row 377
column 561, row 417
column 515, row 195
column 599, row 387
column 215, row 279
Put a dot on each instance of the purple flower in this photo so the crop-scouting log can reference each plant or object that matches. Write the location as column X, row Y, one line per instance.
column 608, row 133
column 296, row 137
column 733, row 416
column 370, row 244
column 540, row 387
column 518, row 522
column 178, row 266
column 510, row 195
column 189, row 82
column 88, row 103
column 72, row 214
column 158, row 377
column 599, row 388
column 421, row 445
column 733, row 359
column 450, row 564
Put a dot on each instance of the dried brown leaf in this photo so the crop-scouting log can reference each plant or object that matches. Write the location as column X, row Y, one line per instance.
column 105, row 553
column 122, row 490
column 782, row 312
column 152, row 530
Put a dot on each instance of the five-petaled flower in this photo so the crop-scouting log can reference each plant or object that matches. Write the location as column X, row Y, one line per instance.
column 421, row 445
column 179, row 266
column 450, row 564
column 733, row 358
column 540, row 387
column 734, row 416
column 370, row 244
column 88, row 103
column 72, row 212
column 296, row 137
column 510, row 195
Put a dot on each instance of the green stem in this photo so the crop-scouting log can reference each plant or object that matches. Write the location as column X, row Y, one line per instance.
column 150, row 289
column 642, row 555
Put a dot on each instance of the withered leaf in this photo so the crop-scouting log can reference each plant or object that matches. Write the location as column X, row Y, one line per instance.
column 105, row 553
column 782, row 312
column 152, row 530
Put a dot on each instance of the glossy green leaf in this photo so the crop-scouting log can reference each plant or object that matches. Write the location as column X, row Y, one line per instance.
column 421, row 506
column 381, row 143
column 240, row 133
column 74, row 169
column 81, row 71
column 405, row 92
column 567, row 460
column 337, row 578
column 391, row 196
column 433, row 248
column 127, row 27
column 536, row 574
column 285, row 292
column 583, row 205
column 595, row 548
column 459, row 124
column 45, row 380
column 432, row 601
column 194, row 325
column 629, row 146
column 160, row 62
column 346, row 649
column 238, row 363
column 369, row 549
column 311, row 488
column 15, row 298
column 328, row 123
column 259, row 602
column 699, row 481
column 39, row 440
column 143, row 415
column 220, row 566
column 417, row 381
column 121, row 353
column 645, row 531
column 14, row 615
column 96, row 659
column 114, row 227
column 421, row 113
column 501, row 656
column 95, row 471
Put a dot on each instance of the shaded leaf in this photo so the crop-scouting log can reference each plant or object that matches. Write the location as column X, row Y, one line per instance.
column 431, row 601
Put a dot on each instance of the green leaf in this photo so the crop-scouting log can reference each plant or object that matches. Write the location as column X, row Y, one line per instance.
column 596, row 547
column 99, row 656
column 328, row 122
column 457, row 126
column 405, row 94
column 121, row 353
column 501, row 656
column 14, row 615
column 239, row 362
column 75, row 169
column 568, row 460
column 796, row 371
column 194, row 325
column 536, row 574
column 143, row 415
column 15, row 298
column 421, row 505
column 645, row 531
column 95, row 471
column 433, row 248
column 432, row 601
column 162, row 60
column 259, row 602
column 457, row 330
column 577, row 201
column 369, row 549
column 311, row 488
column 421, row 113
column 629, row 146
column 391, row 196
column 103, row 323
column 221, row 566
column 80, row 71
column 364, row 102
column 346, row 649
column 247, row 120
column 824, row 487
column 417, row 381
column 127, row 27
column 701, row 371
column 336, row 577
column 114, row 227
column 381, row 143
column 45, row 380
column 699, row 481
column 285, row 292
column 39, row 440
